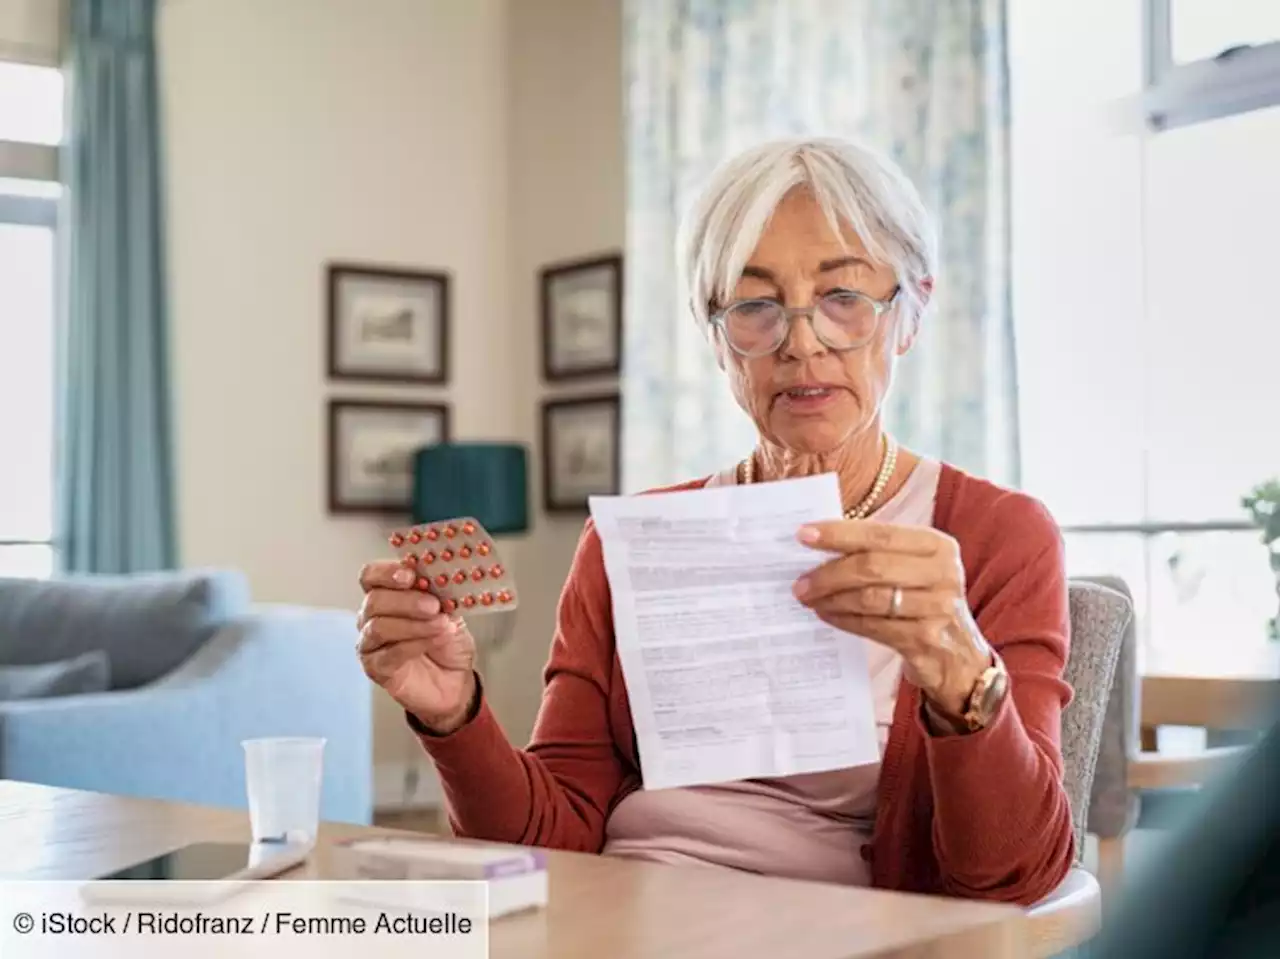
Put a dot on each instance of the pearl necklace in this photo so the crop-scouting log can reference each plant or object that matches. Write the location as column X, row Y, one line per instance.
column 861, row 510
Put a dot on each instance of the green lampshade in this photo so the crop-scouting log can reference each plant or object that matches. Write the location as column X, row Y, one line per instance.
column 488, row 481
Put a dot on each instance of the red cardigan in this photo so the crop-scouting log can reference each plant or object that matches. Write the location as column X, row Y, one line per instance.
column 982, row 815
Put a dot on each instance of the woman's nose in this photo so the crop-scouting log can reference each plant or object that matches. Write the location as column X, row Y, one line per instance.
column 801, row 342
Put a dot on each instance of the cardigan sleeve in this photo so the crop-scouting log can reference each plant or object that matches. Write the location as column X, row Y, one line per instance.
column 1002, row 823
column 557, row 791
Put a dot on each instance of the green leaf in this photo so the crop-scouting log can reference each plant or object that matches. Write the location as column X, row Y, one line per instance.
column 1271, row 531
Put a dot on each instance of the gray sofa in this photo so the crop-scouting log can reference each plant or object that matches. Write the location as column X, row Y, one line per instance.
column 158, row 678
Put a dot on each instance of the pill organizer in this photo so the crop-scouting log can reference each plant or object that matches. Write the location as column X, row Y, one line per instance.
column 458, row 561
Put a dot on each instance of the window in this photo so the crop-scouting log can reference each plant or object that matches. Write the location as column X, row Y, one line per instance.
column 1147, row 332
column 1202, row 29
column 30, row 104
column 30, row 125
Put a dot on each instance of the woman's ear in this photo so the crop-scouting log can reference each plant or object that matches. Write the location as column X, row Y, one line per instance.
column 926, row 292
column 910, row 329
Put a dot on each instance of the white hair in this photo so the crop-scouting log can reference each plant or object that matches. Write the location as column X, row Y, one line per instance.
column 854, row 186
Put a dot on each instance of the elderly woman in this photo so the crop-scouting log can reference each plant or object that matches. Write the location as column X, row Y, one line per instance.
column 809, row 263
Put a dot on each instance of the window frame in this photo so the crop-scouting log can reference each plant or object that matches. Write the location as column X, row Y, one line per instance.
column 1236, row 80
column 37, row 163
column 40, row 212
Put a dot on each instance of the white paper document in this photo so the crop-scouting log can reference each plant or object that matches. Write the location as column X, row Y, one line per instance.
column 728, row 675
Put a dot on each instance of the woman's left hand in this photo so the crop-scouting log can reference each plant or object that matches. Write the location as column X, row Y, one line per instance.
column 903, row 587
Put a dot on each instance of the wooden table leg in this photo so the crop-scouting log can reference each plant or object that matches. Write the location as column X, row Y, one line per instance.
column 1111, row 868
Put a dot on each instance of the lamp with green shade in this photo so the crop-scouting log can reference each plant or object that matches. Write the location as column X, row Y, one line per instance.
column 486, row 481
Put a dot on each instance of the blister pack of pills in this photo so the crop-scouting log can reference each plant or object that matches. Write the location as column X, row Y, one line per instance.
column 457, row 561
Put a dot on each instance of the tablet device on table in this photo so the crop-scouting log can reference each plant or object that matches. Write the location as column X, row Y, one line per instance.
column 197, row 872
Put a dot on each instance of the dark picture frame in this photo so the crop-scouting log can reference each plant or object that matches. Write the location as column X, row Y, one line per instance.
column 581, row 450
column 345, row 418
column 581, row 312
column 374, row 310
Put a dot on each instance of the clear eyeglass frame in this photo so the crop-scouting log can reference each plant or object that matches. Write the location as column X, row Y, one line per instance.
column 717, row 320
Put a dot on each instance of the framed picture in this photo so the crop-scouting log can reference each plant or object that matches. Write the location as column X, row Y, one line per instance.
column 580, row 451
column 582, row 318
column 388, row 325
column 371, row 450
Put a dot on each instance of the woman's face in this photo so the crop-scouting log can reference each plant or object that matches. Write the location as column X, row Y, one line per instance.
column 805, row 397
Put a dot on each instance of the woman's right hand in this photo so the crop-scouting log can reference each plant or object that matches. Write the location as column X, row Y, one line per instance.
column 423, row 657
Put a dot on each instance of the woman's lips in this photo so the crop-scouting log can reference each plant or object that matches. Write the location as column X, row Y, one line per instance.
column 806, row 399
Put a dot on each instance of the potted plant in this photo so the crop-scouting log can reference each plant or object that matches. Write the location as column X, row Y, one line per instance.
column 1263, row 504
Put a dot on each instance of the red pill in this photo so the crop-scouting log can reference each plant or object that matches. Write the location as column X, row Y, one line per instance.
column 477, row 574
column 468, row 528
column 424, row 583
column 468, row 601
column 396, row 540
column 496, row 571
column 487, row 599
column 448, row 605
column 442, row 580
column 483, row 549
column 465, row 552
column 504, row 597
column 433, row 534
column 415, row 537
column 428, row 558
column 447, row 555
column 450, row 532
column 459, row 577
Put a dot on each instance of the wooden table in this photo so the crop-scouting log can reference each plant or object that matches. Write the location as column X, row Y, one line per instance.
column 1220, row 689
column 599, row 906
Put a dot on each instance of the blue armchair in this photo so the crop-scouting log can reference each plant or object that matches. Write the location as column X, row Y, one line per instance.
column 227, row 671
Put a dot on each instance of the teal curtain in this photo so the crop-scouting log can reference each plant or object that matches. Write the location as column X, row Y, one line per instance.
column 921, row 80
column 115, row 488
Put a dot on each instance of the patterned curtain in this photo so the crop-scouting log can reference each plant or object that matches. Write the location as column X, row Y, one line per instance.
column 922, row 80
column 115, row 489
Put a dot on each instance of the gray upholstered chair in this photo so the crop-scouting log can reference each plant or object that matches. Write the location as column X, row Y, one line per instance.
column 1101, row 627
column 1100, row 616
column 1113, row 805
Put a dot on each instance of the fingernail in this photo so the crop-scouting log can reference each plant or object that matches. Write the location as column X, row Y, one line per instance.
column 429, row 605
column 802, row 587
column 405, row 577
column 808, row 534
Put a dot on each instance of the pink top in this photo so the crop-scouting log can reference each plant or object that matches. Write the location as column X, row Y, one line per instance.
column 809, row 826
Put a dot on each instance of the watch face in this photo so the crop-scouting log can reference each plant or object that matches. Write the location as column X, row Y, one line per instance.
column 994, row 694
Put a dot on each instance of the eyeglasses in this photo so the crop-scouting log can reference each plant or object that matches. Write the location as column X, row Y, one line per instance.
column 841, row 320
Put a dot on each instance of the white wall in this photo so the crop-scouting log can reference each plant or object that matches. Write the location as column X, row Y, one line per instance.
column 31, row 31
column 428, row 133
column 567, row 192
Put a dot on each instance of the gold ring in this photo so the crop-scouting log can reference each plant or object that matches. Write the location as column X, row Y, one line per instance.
column 895, row 605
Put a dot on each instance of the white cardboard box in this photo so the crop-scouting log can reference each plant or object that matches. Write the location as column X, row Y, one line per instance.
column 516, row 876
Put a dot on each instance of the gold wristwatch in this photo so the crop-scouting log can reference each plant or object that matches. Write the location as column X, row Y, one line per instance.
column 988, row 693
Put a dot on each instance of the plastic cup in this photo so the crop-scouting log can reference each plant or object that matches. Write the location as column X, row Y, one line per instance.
column 282, row 778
